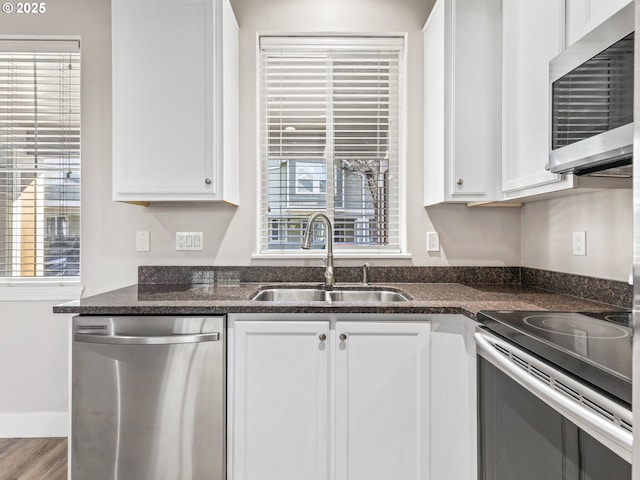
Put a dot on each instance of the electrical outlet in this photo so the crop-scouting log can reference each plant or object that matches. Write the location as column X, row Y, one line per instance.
column 142, row 241
column 433, row 242
column 189, row 241
column 579, row 243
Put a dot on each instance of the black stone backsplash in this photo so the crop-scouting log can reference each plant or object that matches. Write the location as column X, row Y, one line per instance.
column 274, row 274
column 590, row 288
column 601, row 290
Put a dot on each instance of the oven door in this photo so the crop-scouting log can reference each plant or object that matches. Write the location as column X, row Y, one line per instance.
column 537, row 423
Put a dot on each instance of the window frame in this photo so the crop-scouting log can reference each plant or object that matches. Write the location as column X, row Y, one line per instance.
column 52, row 288
column 264, row 220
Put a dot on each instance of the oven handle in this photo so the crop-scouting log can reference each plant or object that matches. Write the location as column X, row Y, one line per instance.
column 614, row 437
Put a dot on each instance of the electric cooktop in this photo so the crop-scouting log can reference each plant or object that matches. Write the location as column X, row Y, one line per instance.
column 595, row 347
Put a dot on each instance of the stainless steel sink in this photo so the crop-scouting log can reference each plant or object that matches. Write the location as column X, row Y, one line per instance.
column 366, row 296
column 317, row 295
column 291, row 295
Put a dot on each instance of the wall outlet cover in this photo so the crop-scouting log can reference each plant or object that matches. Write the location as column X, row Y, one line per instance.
column 189, row 241
column 580, row 243
column 433, row 242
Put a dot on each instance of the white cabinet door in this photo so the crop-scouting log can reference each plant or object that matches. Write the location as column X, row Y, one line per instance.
column 280, row 400
column 532, row 35
column 584, row 15
column 382, row 401
column 462, row 101
column 170, row 94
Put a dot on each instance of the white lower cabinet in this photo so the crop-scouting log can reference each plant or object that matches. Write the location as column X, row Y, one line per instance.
column 328, row 400
column 281, row 401
column 382, row 401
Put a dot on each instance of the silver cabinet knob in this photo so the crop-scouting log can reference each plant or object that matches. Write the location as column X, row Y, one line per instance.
column 459, row 181
column 322, row 337
column 343, row 337
column 547, row 167
column 207, row 181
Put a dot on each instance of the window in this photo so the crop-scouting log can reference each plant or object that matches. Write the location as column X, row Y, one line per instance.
column 39, row 159
column 330, row 130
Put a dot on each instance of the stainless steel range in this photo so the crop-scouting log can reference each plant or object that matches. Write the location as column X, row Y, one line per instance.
column 554, row 395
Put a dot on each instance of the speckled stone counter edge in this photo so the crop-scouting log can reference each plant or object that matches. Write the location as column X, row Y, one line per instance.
column 601, row 290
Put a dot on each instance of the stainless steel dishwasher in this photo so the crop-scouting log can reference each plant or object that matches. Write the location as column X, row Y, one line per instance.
column 148, row 398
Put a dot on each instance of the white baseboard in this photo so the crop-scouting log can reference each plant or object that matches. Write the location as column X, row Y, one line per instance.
column 34, row 425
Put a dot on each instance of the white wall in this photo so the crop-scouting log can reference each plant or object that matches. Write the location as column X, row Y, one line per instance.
column 468, row 236
column 459, row 226
column 109, row 259
column 606, row 216
column 34, row 343
column 108, row 228
column 34, row 346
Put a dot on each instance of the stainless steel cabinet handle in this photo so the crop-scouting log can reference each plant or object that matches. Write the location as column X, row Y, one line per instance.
column 459, row 181
column 343, row 337
column 322, row 337
column 207, row 181
column 149, row 340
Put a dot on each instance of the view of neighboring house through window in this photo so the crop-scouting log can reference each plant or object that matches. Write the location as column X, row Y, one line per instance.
column 330, row 129
column 39, row 158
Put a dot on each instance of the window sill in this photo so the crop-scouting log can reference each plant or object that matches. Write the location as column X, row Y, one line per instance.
column 17, row 290
column 336, row 255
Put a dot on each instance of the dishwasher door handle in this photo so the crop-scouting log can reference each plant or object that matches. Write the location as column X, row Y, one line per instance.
column 146, row 340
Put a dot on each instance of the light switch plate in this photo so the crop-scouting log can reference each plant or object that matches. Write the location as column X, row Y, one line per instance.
column 189, row 241
column 142, row 241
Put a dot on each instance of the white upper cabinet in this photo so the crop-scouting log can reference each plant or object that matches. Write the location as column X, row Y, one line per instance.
column 584, row 15
column 533, row 33
column 175, row 96
column 462, row 101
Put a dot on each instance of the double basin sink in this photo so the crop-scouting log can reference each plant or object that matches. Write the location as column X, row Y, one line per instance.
column 318, row 295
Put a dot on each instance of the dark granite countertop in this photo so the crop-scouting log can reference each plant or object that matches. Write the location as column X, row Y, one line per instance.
column 210, row 299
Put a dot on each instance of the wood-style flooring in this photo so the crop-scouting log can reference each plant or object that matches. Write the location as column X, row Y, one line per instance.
column 33, row 459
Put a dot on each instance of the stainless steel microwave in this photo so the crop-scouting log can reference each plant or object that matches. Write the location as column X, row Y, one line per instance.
column 591, row 90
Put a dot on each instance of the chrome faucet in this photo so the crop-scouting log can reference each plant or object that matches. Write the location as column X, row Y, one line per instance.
column 365, row 267
column 329, row 279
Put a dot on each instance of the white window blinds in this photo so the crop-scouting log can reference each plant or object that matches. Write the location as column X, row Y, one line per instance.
column 330, row 130
column 39, row 159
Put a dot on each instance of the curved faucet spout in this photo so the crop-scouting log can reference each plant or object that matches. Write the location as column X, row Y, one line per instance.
column 329, row 278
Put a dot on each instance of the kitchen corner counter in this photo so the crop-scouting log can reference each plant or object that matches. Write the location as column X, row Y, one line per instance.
column 211, row 299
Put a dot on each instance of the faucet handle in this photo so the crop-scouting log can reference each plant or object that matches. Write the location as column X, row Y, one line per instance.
column 365, row 266
column 328, row 274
